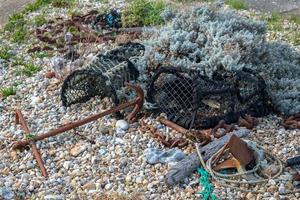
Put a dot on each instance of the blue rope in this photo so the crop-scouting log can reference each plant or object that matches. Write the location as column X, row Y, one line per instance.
column 208, row 187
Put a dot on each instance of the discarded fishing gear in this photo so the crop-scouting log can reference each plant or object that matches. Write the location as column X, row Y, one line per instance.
column 103, row 77
column 187, row 166
column 196, row 101
column 243, row 154
column 207, row 192
column 136, row 103
column 294, row 162
column 292, row 122
column 159, row 136
column 239, row 155
column 89, row 28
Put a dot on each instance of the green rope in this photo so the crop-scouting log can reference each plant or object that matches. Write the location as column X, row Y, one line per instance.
column 205, row 183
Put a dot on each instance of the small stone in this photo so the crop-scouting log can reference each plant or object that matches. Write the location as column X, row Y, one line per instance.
column 105, row 129
column 271, row 189
column 58, row 63
column 54, row 197
column 67, row 164
column 118, row 141
column 89, row 186
column 6, row 193
column 77, row 149
column 18, row 132
column 12, row 52
column 102, row 152
column 35, row 100
column 267, row 194
column 128, row 178
column 108, row 186
column 281, row 189
column 259, row 197
column 272, row 182
column 122, row 124
column 13, row 155
column 289, row 185
column 22, row 166
column 138, row 180
column 249, row 196
column 50, row 74
column 271, row 170
column 31, row 188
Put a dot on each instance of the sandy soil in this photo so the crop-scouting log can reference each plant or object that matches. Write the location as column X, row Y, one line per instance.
column 282, row 6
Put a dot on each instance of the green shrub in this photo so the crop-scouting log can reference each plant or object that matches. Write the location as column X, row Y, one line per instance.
column 17, row 61
column 38, row 4
column 28, row 69
column 275, row 21
column 15, row 21
column 19, row 35
column 237, row 4
column 62, row 3
column 143, row 12
column 8, row 91
column 42, row 54
column 296, row 38
column 4, row 53
column 40, row 20
column 295, row 19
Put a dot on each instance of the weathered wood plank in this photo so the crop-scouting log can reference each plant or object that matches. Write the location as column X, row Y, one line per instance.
column 187, row 166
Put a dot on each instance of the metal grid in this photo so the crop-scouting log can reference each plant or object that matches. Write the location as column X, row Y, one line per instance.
column 196, row 101
column 103, row 77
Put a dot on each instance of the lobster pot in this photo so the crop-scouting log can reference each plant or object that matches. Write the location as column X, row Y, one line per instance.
column 196, row 101
column 170, row 90
column 103, row 77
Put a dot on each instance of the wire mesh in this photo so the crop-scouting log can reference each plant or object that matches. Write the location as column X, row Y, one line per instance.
column 105, row 75
column 196, row 101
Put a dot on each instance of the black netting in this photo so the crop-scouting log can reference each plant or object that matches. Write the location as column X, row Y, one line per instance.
column 103, row 77
column 196, row 101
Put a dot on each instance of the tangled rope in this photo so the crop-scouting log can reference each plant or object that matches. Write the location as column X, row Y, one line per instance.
column 207, row 186
column 221, row 178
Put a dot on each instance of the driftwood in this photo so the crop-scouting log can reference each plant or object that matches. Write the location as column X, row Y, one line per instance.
column 187, row 166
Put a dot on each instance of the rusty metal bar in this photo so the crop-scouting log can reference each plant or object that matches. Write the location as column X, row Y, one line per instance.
column 204, row 135
column 292, row 122
column 222, row 124
column 138, row 102
column 36, row 153
column 172, row 125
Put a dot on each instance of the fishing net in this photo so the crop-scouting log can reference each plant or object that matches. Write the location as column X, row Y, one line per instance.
column 103, row 77
column 196, row 101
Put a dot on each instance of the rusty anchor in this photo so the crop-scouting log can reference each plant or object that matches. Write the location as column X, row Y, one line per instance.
column 20, row 120
column 137, row 103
